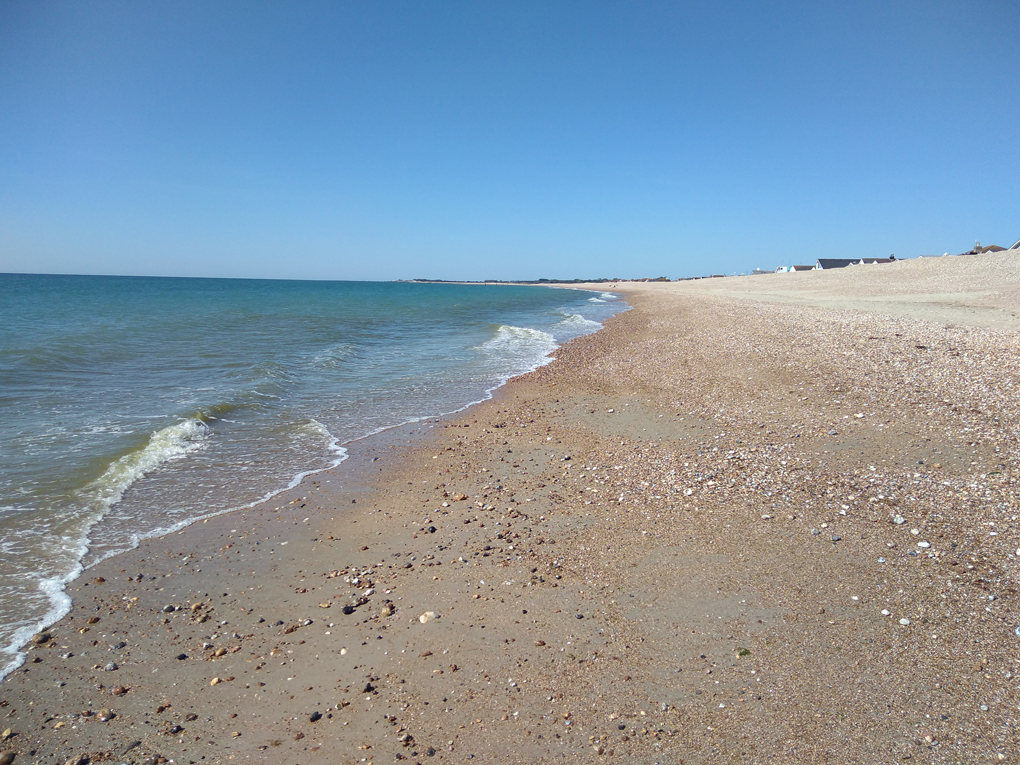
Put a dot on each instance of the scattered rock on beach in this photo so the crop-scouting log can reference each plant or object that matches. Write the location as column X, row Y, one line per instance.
column 428, row 616
column 6, row 758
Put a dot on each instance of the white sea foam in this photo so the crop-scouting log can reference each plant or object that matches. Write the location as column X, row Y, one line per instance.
column 170, row 443
column 596, row 300
column 522, row 349
column 576, row 324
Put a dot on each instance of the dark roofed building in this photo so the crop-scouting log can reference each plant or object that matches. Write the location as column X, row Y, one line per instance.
column 979, row 250
column 823, row 264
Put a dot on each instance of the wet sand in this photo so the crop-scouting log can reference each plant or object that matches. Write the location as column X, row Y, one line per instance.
column 746, row 521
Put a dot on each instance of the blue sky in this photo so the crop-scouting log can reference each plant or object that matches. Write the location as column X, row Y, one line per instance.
column 472, row 140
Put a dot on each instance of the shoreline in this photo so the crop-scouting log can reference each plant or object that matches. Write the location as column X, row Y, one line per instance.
column 675, row 542
column 56, row 586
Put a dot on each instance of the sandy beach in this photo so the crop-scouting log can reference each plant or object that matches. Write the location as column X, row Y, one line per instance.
column 753, row 519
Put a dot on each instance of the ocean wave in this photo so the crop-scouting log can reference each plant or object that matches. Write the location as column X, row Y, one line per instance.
column 170, row 443
column 575, row 322
column 337, row 356
column 596, row 300
column 63, row 538
column 522, row 349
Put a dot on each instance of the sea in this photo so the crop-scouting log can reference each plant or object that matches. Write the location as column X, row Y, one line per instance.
column 131, row 407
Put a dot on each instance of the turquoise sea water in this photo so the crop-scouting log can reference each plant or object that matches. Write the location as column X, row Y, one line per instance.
column 132, row 406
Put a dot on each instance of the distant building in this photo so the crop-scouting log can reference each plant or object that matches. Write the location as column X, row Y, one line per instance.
column 823, row 264
column 979, row 250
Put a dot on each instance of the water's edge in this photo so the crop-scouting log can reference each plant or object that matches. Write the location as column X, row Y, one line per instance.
column 402, row 432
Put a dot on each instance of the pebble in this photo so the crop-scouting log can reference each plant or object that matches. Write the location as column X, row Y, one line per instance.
column 111, row 667
column 428, row 616
column 815, row 532
column 169, row 609
column 905, row 622
column 899, row 520
column 315, row 717
column 41, row 637
column 924, row 544
column 6, row 758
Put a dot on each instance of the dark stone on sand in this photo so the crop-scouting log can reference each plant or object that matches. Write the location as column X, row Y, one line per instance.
column 430, row 752
column 118, row 646
column 432, row 529
column 6, row 758
column 131, row 746
column 169, row 609
column 347, row 610
column 181, row 656
column 315, row 716
column 41, row 637
column 368, row 688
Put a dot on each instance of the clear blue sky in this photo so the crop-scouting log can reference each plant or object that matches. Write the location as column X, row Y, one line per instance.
column 383, row 140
